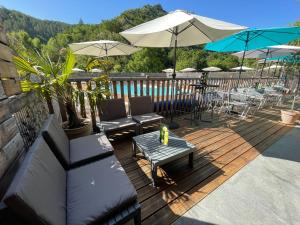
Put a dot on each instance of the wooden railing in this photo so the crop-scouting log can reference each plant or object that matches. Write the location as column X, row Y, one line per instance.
column 160, row 90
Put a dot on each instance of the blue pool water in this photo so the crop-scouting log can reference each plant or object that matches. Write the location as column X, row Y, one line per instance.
column 144, row 89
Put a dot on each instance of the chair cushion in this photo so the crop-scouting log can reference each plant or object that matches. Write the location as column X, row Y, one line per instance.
column 97, row 191
column 117, row 124
column 112, row 109
column 57, row 140
column 140, row 105
column 38, row 191
column 146, row 118
column 89, row 148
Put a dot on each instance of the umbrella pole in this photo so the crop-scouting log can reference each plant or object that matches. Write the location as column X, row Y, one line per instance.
column 275, row 69
column 264, row 64
column 242, row 63
column 172, row 124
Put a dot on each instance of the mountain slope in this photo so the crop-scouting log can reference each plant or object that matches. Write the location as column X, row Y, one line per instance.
column 43, row 29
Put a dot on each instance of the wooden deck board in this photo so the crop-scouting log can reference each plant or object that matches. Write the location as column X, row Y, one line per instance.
column 223, row 147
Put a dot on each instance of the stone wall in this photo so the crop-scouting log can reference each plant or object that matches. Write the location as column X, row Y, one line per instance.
column 11, row 142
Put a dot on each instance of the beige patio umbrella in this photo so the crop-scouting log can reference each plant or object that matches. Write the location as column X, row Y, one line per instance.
column 188, row 70
column 168, row 70
column 179, row 29
column 244, row 68
column 212, row 69
column 77, row 70
column 102, row 48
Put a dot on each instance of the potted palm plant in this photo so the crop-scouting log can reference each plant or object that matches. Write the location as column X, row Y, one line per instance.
column 49, row 80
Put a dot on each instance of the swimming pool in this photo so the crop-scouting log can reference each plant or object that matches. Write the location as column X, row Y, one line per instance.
column 138, row 89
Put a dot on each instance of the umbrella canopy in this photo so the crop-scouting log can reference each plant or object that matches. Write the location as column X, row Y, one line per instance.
column 77, row 70
column 211, row 69
column 179, row 29
column 273, row 67
column 242, row 68
column 187, row 29
column 96, row 70
column 188, row 70
column 169, row 70
column 251, row 39
column 102, row 48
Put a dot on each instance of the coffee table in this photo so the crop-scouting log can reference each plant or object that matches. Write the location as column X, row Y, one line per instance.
column 158, row 154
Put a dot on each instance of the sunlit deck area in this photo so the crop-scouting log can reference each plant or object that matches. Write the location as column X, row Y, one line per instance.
column 224, row 147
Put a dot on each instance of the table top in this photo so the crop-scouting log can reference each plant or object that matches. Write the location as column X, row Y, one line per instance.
column 158, row 153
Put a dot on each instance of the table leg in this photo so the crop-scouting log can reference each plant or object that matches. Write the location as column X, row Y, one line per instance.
column 154, row 174
column 133, row 149
column 191, row 159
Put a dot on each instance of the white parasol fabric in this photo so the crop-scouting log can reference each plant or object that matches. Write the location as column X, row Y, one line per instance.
column 96, row 70
column 244, row 68
column 188, row 29
column 102, row 48
column 270, row 52
column 169, row 70
column 212, row 69
column 185, row 70
column 77, row 70
column 273, row 67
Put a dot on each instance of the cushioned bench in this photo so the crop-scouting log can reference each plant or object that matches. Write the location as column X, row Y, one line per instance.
column 76, row 152
column 113, row 116
column 141, row 110
column 43, row 192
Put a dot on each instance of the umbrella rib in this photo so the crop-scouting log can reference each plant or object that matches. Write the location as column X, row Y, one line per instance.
column 121, row 50
column 271, row 39
column 200, row 30
column 82, row 48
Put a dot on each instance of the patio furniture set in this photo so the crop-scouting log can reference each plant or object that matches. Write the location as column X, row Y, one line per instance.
column 113, row 116
column 237, row 101
column 80, row 181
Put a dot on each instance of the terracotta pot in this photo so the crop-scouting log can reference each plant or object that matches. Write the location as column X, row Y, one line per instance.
column 289, row 116
column 80, row 131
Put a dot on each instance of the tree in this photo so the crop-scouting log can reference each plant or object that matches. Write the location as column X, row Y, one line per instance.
column 147, row 60
column 222, row 60
column 189, row 57
column 80, row 21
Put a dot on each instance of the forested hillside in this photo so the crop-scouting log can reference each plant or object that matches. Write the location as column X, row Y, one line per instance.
column 52, row 38
column 42, row 29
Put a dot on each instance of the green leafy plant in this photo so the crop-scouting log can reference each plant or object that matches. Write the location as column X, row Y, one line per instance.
column 49, row 79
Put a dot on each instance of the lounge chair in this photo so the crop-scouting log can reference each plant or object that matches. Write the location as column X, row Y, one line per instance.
column 42, row 192
column 76, row 152
column 141, row 110
column 113, row 116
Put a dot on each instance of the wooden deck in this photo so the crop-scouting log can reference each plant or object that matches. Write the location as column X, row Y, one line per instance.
column 223, row 148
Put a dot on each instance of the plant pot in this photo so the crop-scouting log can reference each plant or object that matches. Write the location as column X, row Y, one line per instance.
column 85, row 130
column 289, row 116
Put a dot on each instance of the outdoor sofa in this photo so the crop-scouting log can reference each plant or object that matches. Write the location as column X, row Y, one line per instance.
column 44, row 193
column 76, row 152
column 141, row 111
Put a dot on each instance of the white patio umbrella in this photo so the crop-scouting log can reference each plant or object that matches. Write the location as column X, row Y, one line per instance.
column 77, row 70
column 102, row 48
column 270, row 52
column 96, row 70
column 186, row 70
column 179, row 29
column 274, row 66
column 244, row 68
column 211, row 69
column 169, row 70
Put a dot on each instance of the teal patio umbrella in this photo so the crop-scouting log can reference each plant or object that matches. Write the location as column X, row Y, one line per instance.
column 252, row 39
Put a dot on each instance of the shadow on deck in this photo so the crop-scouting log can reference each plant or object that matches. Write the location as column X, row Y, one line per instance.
column 224, row 146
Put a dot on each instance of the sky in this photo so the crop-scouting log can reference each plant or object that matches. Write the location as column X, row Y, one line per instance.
column 250, row 13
